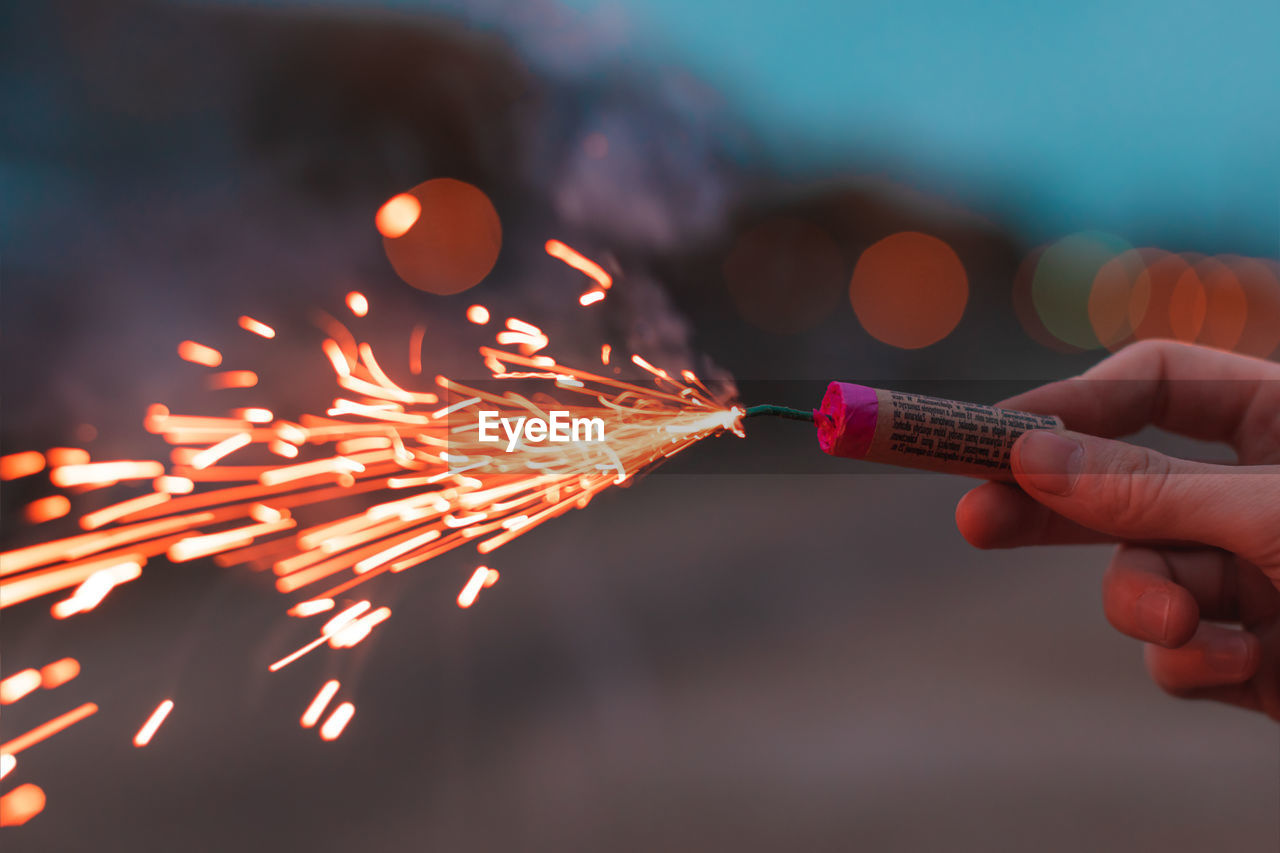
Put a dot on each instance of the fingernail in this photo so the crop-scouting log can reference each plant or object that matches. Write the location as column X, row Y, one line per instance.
column 1227, row 653
column 1050, row 461
column 1152, row 612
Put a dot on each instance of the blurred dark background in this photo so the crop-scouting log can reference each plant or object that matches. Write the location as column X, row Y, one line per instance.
column 755, row 648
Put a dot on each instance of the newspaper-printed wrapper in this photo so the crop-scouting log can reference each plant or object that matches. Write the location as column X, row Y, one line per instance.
column 916, row 431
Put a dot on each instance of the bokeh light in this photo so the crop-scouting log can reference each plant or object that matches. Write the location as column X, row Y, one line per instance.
column 1110, row 297
column 1187, row 302
column 1226, row 307
column 785, row 275
column 1063, row 282
column 909, row 290
column 454, row 241
column 1259, row 279
column 1152, row 306
column 1025, row 309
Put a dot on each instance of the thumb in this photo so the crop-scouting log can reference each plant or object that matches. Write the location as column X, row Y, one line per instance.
column 1135, row 493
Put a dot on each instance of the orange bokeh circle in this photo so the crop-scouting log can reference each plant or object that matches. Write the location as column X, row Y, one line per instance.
column 909, row 290
column 453, row 242
column 1111, row 295
column 1260, row 281
column 1226, row 305
column 1152, row 305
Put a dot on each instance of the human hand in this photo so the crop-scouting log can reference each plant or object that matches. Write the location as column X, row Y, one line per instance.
column 1200, row 543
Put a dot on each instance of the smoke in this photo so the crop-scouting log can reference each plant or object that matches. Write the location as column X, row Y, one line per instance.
column 187, row 164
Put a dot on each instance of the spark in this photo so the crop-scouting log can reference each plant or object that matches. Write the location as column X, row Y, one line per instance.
column 428, row 483
column 350, row 635
column 49, row 729
column 199, row 354
column 21, row 804
column 58, row 673
column 66, row 456
column 254, row 415
column 212, row 454
column 358, row 303
column 591, row 297
column 105, row 472
column 232, row 379
column 324, row 696
column 46, row 509
column 397, row 215
column 478, row 579
column 18, row 685
column 94, row 589
column 46, row 581
column 173, row 485
column 94, row 520
column 148, row 730
column 7, row 763
column 332, row 627
column 283, row 448
column 256, row 326
column 22, row 464
column 311, row 608
column 582, row 264
column 337, row 721
column 415, row 349
column 638, row 360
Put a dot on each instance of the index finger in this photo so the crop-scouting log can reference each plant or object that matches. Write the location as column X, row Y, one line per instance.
column 1198, row 392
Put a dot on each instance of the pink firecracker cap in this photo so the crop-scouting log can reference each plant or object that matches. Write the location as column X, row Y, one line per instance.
column 847, row 419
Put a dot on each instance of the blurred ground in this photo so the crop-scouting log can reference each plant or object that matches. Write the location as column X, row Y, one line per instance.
column 684, row 666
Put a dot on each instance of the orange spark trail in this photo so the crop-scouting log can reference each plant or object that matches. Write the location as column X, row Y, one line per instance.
column 46, row 509
column 311, row 608
column 582, row 264
column 323, row 697
column 66, row 456
column 22, row 464
column 415, row 349
column 58, row 673
column 94, row 520
column 337, row 721
column 199, row 354
column 258, row 328
column 387, row 478
column 212, row 454
column 105, row 472
column 467, row 597
column 49, row 729
column 21, row 804
column 18, row 685
column 232, row 379
column 358, row 303
column 148, row 730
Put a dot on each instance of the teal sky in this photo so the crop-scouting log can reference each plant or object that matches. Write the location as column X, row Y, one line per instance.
column 1150, row 118
column 1157, row 120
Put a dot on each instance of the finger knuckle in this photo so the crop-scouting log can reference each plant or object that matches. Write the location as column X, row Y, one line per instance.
column 1133, row 488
